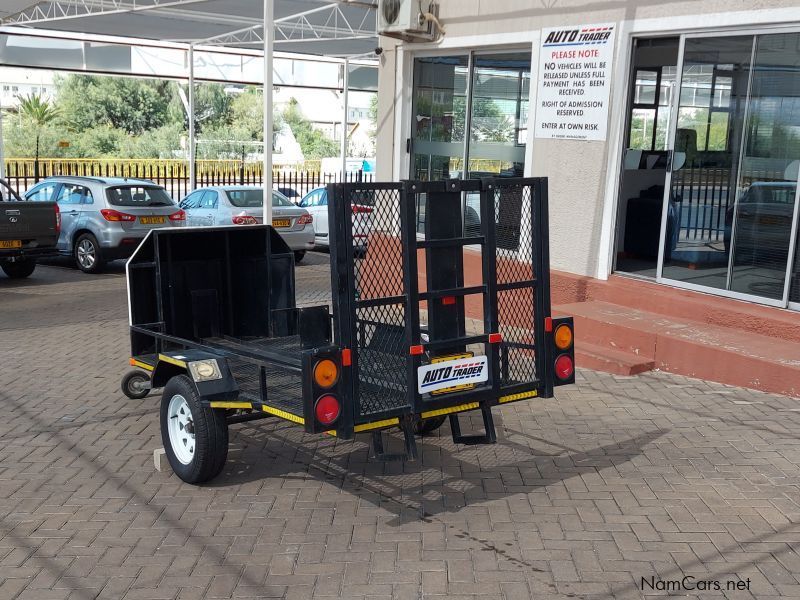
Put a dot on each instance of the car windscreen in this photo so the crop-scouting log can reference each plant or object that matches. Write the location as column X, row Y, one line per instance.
column 255, row 198
column 138, row 195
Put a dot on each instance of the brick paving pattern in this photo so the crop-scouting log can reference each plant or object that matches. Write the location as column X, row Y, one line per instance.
column 613, row 480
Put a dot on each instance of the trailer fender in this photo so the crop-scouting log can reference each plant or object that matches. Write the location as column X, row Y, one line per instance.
column 214, row 382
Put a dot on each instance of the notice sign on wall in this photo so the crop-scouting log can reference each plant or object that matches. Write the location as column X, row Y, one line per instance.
column 574, row 82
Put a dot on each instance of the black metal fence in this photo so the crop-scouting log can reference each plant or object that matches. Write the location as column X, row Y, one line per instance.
column 173, row 175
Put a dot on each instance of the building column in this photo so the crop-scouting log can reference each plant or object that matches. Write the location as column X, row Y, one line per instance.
column 269, row 40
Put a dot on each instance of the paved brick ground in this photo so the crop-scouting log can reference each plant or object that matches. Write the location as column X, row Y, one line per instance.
column 614, row 480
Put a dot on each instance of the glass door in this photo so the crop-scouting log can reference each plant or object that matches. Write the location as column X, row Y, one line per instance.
column 730, row 206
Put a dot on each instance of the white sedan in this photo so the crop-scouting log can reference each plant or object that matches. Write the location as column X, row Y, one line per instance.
column 241, row 205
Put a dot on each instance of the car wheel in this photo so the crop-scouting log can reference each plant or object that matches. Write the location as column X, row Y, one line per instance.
column 426, row 426
column 136, row 384
column 87, row 254
column 19, row 269
column 195, row 437
column 299, row 255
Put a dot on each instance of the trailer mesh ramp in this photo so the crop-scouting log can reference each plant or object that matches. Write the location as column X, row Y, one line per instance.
column 516, row 281
column 376, row 264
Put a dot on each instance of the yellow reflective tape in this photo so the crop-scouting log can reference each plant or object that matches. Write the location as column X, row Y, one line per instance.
column 522, row 396
column 331, row 432
column 172, row 361
column 376, row 425
column 450, row 410
column 283, row 415
column 231, row 405
column 141, row 365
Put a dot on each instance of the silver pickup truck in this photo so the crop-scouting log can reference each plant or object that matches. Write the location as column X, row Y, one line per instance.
column 28, row 230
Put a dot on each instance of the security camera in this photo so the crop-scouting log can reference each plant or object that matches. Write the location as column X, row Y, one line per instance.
column 378, row 51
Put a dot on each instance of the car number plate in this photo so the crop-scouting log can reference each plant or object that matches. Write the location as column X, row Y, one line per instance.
column 453, row 373
column 281, row 222
column 10, row 244
column 152, row 220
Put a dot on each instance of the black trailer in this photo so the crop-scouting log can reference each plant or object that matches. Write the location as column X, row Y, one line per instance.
column 439, row 304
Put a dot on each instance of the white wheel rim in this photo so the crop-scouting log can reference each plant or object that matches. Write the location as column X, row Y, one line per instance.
column 181, row 429
column 86, row 254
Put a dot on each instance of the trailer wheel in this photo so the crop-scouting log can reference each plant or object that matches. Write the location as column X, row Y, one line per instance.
column 136, row 384
column 195, row 437
column 20, row 269
column 426, row 426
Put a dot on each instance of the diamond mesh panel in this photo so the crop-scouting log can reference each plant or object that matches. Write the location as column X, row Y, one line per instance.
column 514, row 234
column 377, row 243
column 517, row 355
column 380, row 318
column 382, row 358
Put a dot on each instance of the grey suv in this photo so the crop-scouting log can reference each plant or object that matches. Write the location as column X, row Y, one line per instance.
column 104, row 219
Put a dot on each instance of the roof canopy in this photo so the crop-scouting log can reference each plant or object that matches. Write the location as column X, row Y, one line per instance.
column 326, row 28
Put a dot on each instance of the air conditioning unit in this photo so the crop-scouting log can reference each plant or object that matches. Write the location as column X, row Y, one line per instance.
column 405, row 19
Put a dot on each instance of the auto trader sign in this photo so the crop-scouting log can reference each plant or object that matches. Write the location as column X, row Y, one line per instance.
column 574, row 82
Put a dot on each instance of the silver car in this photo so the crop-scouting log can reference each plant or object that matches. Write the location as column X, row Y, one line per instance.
column 105, row 218
column 240, row 205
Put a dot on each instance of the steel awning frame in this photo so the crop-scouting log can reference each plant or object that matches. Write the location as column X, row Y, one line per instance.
column 331, row 21
column 320, row 21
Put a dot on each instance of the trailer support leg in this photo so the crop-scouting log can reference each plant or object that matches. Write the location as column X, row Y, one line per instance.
column 410, row 445
column 489, row 437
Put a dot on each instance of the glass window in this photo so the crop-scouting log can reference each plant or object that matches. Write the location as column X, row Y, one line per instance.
column 254, row 198
column 192, row 200
column 439, row 121
column 761, row 221
column 138, row 195
column 209, row 200
column 71, row 193
column 42, row 192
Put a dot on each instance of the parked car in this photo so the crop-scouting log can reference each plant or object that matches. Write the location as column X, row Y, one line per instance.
column 239, row 205
column 316, row 203
column 763, row 221
column 28, row 230
column 104, row 219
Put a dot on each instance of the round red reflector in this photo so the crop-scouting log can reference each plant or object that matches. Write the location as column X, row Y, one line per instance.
column 564, row 367
column 327, row 410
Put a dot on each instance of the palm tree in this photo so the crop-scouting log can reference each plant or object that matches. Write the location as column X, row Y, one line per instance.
column 40, row 113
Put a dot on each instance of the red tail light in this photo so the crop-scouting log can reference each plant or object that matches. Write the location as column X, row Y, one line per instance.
column 327, row 410
column 305, row 220
column 359, row 209
column 58, row 218
column 115, row 215
column 178, row 216
column 564, row 367
column 244, row 220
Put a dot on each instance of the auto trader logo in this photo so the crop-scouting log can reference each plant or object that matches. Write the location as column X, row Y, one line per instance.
column 579, row 37
column 447, row 374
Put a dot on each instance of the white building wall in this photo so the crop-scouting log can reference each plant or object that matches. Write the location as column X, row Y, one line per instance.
column 583, row 175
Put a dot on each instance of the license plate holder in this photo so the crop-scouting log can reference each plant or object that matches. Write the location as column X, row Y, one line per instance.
column 284, row 223
column 152, row 220
column 10, row 244
column 466, row 367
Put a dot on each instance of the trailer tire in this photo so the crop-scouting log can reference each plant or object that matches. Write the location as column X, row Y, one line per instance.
column 20, row 269
column 426, row 426
column 195, row 437
column 136, row 384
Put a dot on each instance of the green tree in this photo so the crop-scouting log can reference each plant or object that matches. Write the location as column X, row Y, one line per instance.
column 314, row 143
column 129, row 104
column 39, row 113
